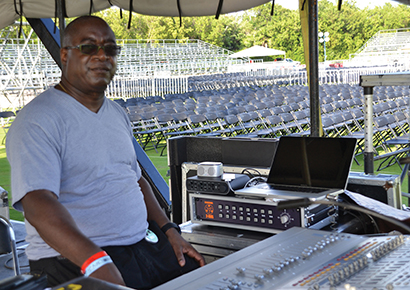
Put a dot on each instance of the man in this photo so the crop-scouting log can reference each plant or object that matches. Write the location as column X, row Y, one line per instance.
column 75, row 175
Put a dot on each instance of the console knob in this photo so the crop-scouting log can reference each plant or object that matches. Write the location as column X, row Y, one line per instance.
column 284, row 218
column 267, row 271
column 276, row 268
column 241, row 270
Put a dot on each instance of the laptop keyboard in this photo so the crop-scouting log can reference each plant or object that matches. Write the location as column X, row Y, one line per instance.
column 296, row 188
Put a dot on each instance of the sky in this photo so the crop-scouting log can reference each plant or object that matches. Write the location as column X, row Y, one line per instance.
column 293, row 4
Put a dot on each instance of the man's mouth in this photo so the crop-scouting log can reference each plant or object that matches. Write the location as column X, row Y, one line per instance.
column 100, row 69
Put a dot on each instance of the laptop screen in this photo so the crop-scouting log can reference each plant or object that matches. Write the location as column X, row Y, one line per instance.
column 312, row 161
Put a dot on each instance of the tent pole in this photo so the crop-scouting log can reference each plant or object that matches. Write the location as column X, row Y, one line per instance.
column 314, row 69
column 44, row 28
column 368, row 154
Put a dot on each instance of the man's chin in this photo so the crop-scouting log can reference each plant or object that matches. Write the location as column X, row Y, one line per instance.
column 102, row 84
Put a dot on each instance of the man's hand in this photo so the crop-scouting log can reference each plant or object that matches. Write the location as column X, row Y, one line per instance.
column 155, row 213
column 182, row 247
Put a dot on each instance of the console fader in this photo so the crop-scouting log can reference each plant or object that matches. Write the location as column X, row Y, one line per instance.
column 301, row 258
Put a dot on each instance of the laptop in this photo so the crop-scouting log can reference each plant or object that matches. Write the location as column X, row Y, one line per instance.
column 306, row 167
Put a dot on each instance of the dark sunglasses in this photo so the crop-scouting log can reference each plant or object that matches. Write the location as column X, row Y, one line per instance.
column 91, row 49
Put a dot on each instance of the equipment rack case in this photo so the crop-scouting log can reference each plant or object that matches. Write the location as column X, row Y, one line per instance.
column 385, row 188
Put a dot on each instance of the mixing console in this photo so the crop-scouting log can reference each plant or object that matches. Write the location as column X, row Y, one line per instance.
column 301, row 258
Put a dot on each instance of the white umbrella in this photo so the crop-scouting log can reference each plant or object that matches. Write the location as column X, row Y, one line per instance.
column 10, row 10
column 257, row 50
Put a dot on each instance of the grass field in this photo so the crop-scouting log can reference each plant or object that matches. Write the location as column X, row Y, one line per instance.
column 161, row 164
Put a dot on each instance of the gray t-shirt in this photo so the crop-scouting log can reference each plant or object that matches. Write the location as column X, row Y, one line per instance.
column 86, row 159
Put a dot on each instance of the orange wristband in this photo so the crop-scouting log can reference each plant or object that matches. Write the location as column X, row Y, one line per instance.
column 92, row 259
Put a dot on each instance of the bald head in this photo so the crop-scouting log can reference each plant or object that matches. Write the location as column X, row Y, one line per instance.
column 74, row 26
column 87, row 68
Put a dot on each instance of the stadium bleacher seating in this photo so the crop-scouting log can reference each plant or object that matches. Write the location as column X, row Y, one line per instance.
column 236, row 113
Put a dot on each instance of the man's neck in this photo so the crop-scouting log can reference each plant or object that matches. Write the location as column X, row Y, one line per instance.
column 92, row 100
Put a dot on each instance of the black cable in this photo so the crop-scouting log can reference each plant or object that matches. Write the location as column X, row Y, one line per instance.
column 247, row 170
column 359, row 219
column 218, row 11
column 303, row 5
column 374, row 224
column 130, row 16
column 252, row 180
column 332, row 214
column 376, row 227
column 91, row 7
column 180, row 13
column 20, row 13
column 18, row 256
column 55, row 15
column 339, row 6
column 273, row 8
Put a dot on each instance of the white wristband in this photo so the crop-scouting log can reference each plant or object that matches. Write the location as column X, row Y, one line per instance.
column 94, row 266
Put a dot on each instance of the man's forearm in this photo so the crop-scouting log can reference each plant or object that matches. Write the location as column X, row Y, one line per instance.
column 57, row 228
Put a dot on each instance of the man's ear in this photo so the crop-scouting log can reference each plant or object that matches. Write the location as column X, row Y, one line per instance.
column 63, row 56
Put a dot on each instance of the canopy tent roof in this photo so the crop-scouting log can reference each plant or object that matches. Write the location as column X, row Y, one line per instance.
column 10, row 10
column 257, row 50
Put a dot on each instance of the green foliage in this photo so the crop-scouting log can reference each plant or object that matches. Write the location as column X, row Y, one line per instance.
column 5, row 181
column 281, row 31
column 223, row 32
column 349, row 28
column 346, row 28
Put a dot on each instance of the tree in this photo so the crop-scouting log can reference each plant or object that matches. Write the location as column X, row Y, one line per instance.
column 280, row 31
column 346, row 28
column 349, row 28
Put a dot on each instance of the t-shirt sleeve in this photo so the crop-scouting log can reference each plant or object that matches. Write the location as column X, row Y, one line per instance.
column 33, row 151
